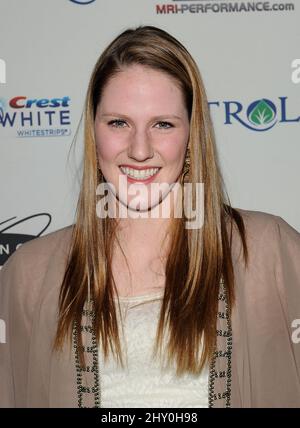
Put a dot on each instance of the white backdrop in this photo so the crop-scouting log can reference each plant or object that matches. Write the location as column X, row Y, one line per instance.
column 50, row 47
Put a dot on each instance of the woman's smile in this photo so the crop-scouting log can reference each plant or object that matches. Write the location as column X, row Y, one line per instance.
column 144, row 175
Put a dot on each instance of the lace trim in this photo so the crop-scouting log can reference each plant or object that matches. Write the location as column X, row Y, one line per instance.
column 219, row 382
column 221, row 357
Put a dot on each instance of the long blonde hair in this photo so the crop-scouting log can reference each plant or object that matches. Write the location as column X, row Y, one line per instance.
column 198, row 258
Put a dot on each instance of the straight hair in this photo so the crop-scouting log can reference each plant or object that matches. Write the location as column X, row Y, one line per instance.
column 198, row 258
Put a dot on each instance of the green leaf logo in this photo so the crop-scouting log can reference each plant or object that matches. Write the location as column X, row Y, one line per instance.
column 261, row 112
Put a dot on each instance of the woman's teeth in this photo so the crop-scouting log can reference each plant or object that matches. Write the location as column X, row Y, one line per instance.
column 139, row 174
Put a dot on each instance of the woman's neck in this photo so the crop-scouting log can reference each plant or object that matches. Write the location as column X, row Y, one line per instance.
column 144, row 237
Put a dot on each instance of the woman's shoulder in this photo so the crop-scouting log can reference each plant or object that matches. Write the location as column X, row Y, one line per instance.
column 41, row 257
column 42, row 248
column 32, row 272
column 43, row 245
column 266, row 235
column 259, row 223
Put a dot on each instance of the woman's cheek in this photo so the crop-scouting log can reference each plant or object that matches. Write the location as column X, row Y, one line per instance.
column 109, row 145
column 173, row 148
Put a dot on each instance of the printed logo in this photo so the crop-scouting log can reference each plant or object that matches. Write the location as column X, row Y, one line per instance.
column 3, row 107
column 36, row 117
column 202, row 6
column 10, row 241
column 260, row 115
column 82, row 1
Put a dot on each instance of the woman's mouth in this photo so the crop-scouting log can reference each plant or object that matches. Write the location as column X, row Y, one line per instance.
column 139, row 175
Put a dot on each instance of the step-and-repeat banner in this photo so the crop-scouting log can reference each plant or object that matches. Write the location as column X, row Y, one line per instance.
column 247, row 51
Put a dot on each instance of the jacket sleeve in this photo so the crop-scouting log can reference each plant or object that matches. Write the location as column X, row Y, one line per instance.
column 266, row 356
column 286, row 247
column 22, row 279
column 8, row 276
column 17, row 303
column 287, row 272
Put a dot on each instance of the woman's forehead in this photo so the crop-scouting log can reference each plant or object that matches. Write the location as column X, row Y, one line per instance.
column 142, row 87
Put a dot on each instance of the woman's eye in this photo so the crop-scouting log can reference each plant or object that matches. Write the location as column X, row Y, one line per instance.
column 165, row 125
column 117, row 123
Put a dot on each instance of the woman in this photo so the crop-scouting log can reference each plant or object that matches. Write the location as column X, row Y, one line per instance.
column 146, row 311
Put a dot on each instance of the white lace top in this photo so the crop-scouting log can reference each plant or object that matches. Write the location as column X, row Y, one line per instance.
column 143, row 382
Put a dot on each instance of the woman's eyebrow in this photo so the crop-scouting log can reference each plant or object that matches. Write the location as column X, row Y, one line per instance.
column 160, row 117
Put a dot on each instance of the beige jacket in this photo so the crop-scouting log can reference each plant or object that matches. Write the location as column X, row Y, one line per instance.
column 265, row 359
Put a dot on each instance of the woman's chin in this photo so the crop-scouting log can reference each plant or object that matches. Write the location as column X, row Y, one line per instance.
column 134, row 207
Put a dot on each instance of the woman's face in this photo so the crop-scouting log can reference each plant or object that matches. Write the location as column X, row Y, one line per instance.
column 141, row 132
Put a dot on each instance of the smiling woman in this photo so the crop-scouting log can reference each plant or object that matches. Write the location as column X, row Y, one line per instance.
column 139, row 311
column 136, row 138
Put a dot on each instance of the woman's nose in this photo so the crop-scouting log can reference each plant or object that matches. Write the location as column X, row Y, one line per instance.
column 140, row 147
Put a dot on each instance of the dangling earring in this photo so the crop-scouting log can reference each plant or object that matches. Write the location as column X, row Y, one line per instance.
column 187, row 162
column 100, row 177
